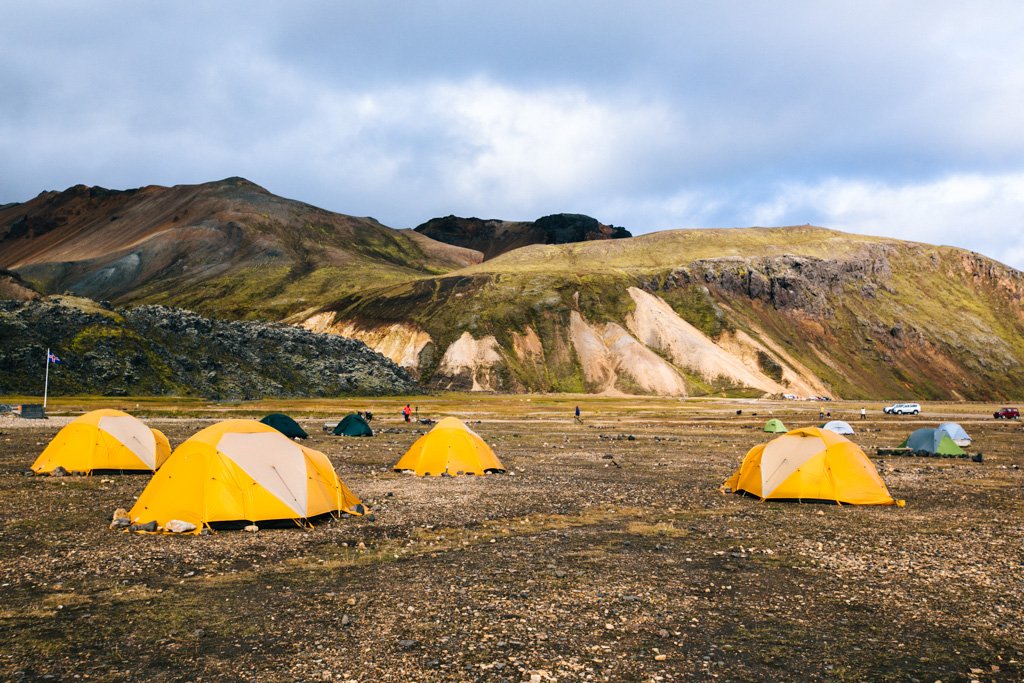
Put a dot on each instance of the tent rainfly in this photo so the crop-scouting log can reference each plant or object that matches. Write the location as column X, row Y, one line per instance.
column 104, row 440
column 242, row 471
column 810, row 465
column 775, row 426
column 353, row 425
column 450, row 448
column 285, row 425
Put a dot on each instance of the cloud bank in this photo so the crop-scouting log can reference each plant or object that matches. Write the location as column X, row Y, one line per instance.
column 895, row 119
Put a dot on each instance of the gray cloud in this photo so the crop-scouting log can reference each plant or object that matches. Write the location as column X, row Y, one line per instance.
column 651, row 115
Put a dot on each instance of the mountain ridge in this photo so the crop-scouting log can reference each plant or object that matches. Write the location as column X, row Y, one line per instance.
column 735, row 311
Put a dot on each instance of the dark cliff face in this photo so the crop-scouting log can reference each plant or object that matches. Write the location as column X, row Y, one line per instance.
column 562, row 228
column 790, row 282
column 493, row 237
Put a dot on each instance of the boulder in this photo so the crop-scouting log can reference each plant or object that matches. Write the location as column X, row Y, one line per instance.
column 176, row 526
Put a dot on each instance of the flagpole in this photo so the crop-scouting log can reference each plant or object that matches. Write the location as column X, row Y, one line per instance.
column 46, row 382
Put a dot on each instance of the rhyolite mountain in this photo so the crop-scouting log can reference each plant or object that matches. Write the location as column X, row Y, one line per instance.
column 802, row 310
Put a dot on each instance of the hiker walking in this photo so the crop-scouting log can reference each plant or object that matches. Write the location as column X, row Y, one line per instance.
column 578, row 420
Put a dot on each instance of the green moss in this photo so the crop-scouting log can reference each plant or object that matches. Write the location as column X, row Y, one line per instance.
column 695, row 305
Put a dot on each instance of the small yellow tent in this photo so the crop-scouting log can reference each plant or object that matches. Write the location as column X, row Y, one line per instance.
column 242, row 470
column 450, row 448
column 810, row 464
column 104, row 440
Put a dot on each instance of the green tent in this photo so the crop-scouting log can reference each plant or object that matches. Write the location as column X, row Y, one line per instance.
column 932, row 442
column 775, row 426
column 285, row 425
column 353, row 425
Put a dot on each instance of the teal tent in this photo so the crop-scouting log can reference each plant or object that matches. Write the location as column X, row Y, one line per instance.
column 932, row 442
column 353, row 425
column 285, row 425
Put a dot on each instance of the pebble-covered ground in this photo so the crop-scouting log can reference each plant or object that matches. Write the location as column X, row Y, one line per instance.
column 596, row 558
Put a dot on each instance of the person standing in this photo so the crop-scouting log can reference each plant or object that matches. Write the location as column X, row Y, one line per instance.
column 406, row 412
column 578, row 415
column 863, row 414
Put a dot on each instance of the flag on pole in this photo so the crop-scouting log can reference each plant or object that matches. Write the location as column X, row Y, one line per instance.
column 52, row 357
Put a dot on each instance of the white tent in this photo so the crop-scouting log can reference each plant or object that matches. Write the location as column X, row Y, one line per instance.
column 957, row 433
column 839, row 427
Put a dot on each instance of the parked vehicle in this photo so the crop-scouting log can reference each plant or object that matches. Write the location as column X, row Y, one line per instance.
column 1007, row 414
column 902, row 409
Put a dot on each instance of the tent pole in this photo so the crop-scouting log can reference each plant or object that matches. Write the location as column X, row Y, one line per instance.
column 46, row 381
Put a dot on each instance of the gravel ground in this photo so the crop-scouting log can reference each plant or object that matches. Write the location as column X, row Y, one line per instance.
column 597, row 558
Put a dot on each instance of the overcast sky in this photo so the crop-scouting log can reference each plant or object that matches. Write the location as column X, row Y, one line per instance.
column 893, row 118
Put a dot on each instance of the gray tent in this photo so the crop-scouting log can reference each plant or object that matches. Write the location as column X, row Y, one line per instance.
column 933, row 442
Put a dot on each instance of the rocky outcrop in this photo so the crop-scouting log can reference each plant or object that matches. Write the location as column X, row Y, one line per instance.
column 655, row 324
column 406, row 345
column 613, row 361
column 155, row 350
column 791, row 282
column 471, row 364
column 493, row 237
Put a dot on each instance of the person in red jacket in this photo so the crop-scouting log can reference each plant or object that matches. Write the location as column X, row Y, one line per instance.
column 406, row 412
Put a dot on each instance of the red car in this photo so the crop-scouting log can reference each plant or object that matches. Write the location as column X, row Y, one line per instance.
column 1007, row 414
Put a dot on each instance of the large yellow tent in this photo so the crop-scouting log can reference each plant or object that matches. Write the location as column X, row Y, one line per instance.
column 450, row 448
column 810, row 464
column 104, row 440
column 242, row 470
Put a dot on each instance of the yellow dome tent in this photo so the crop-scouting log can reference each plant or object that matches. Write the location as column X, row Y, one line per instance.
column 810, row 464
column 449, row 448
column 104, row 440
column 242, row 470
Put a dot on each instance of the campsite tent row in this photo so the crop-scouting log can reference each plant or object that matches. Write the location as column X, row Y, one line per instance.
column 244, row 470
column 241, row 470
column 775, row 426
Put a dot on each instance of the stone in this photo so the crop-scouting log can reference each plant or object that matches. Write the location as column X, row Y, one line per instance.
column 120, row 513
column 59, row 471
column 407, row 644
column 660, row 658
column 148, row 526
column 179, row 527
column 252, row 528
column 120, row 523
column 346, row 620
